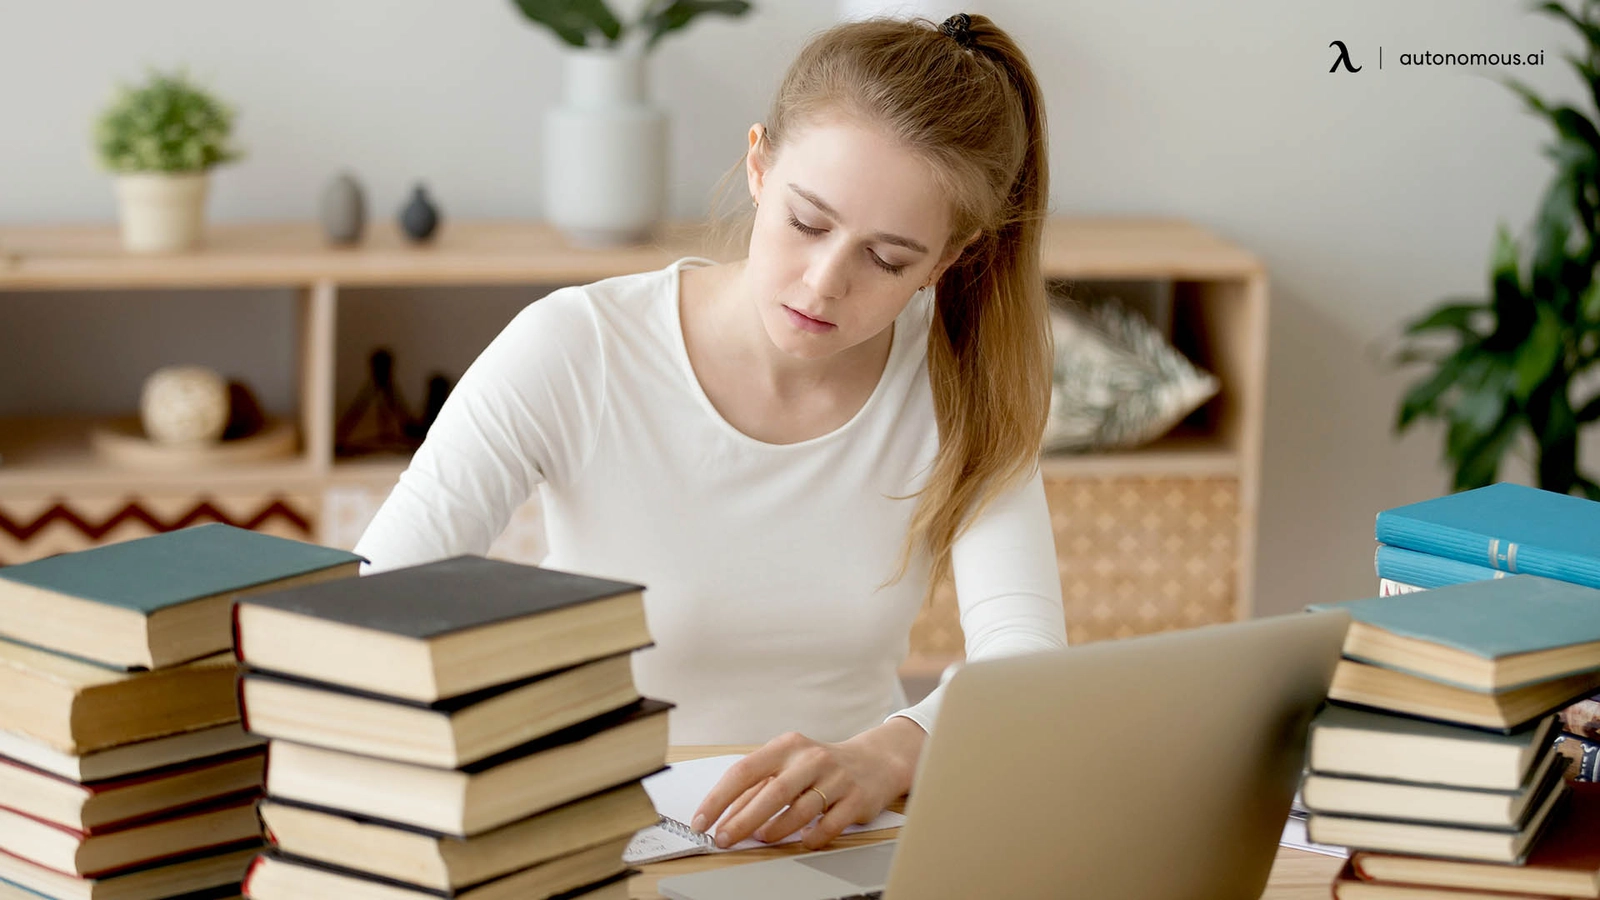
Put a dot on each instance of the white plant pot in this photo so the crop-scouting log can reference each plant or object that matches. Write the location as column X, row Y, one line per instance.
column 162, row 212
column 605, row 152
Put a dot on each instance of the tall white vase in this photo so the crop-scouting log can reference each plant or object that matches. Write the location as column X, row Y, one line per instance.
column 605, row 152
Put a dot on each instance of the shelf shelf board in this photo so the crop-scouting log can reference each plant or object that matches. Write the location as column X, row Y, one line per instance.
column 55, row 454
column 1187, row 455
column 294, row 254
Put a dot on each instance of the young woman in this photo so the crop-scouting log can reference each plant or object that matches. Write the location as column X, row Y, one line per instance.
column 789, row 449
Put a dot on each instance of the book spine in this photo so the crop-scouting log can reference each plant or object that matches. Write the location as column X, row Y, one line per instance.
column 1485, row 550
column 1427, row 571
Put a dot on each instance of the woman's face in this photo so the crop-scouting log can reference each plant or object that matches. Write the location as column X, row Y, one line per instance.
column 849, row 225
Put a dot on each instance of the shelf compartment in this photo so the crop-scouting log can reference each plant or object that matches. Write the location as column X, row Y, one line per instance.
column 55, row 454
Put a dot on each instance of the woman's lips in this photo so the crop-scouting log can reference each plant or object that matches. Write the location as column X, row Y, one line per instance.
column 807, row 323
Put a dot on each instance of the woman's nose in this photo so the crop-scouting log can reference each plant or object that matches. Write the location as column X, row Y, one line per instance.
column 828, row 274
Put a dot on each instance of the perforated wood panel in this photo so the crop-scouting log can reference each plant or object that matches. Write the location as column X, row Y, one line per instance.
column 1136, row 555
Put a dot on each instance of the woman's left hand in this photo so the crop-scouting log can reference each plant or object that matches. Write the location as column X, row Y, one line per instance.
column 792, row 779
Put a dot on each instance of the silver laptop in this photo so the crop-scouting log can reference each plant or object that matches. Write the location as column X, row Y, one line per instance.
column 1153, row 768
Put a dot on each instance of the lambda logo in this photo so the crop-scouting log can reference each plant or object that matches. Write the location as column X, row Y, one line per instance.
column 1344, row 58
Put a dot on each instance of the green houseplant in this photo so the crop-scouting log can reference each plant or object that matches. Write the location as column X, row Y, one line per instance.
column 605, row 143
column 1510, row 367
column 161, row 138
column 591, row 23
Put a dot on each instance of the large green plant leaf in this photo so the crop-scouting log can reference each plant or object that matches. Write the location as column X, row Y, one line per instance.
column 1423, row 397
column 574, row 20
column 663, row 17
column 1537, row 356
column 1457, row 317
column 1478, row 464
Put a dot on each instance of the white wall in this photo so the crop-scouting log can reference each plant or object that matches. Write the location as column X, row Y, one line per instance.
column 1368, row 195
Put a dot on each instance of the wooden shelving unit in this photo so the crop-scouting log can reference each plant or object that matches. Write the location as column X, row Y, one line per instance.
column 1159, row 537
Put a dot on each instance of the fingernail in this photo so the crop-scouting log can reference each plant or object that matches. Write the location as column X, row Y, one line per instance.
column 699, row 823
column 722, row 840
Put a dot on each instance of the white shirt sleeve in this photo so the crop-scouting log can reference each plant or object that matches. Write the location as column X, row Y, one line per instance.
column 526, row 411
column 1008, row 587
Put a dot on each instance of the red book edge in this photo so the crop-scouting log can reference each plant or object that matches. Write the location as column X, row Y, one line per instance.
column 238, row 691
column 250, row 874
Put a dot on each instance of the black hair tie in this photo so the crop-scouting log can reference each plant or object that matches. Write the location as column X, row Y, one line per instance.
column 959, row 27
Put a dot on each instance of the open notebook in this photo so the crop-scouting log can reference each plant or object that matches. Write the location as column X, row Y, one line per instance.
column 677, row 792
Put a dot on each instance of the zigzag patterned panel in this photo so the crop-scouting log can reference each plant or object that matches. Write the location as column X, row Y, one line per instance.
column 41, row 526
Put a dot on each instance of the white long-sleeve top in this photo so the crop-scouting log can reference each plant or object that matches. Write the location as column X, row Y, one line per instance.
column 764, row 564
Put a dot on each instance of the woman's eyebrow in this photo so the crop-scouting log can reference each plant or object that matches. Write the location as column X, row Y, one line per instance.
column 883, row 236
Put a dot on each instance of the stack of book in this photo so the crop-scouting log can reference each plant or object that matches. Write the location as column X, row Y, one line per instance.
column 124, row 772
column 1439, row 741
column 1493, row 532
column 466, row 728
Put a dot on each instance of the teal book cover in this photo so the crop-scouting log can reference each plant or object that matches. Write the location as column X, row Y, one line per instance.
column 152, row 573
column 1487, row 619
column 1425, row 570
column 1508, row 527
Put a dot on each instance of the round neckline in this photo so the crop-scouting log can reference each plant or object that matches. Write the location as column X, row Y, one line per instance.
column 682, row 346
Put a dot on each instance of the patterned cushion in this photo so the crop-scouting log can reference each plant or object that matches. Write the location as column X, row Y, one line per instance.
column 1117, row 382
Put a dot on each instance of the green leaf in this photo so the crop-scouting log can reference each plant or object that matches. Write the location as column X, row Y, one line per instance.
column 165, row 124
column 1589, row 30
column 662, row 18
column 573, row 20
column 1513, row 310
column 1454, row 317
column 1423, row 397
column 1536, row 357
column 1479, row 464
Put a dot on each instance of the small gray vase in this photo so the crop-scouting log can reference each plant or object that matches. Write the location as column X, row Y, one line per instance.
column 343, row 210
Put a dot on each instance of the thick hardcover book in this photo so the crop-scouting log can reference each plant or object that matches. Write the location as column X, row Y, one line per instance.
column 1490, row 636
column 276, row 876
column 1440, row 840
column 1433, row 804
column 443, row 863
column 1503, row 526
column 1368, row 744
column 9, row 891
column 1565, row 862
column 225, row 823
column 603, row 752
column 208, row 874
column 1388, row 690
column 441, row 629
column 446, row 733
column 108, row 804
column 154, row 601
column 77, row 707
column 1424, row 570
column 127, row 759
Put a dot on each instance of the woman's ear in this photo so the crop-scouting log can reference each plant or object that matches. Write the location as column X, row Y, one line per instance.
column 755, row 160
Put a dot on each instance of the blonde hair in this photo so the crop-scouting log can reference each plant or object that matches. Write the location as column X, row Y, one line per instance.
column 964, row 98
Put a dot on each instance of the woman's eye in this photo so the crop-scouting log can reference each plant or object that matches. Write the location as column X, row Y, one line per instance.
column 802, row 227
column 891, row 269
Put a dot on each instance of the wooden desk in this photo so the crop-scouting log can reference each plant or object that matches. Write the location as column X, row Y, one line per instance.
column 1296, row 875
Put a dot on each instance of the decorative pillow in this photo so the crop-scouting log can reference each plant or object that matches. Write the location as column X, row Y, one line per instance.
column 1117, row 382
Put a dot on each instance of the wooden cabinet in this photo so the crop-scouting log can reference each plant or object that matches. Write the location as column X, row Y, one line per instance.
column 1156, row 538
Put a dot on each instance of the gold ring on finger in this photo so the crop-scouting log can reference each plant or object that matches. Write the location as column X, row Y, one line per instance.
column 825, row 803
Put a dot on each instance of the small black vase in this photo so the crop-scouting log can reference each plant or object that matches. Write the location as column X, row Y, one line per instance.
column 419, row 219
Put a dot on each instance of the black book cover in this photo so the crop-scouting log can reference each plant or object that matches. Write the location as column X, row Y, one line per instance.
column 443, row 597
column 639, row 709
column 448, row 705
column 435, row 892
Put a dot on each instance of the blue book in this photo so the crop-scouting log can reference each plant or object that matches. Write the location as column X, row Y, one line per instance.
column 1507, row 527
column 1488, row 636
column 1424, row 570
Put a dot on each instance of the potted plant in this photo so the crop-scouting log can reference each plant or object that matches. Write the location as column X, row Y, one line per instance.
column 1511, row 366
column 605, row 144
column 161, row 139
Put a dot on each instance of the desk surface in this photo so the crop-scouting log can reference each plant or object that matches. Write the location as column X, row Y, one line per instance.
column 1296, row 875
